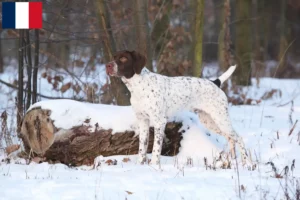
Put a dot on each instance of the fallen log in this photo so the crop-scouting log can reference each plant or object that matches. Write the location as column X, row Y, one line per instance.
column 82, row 142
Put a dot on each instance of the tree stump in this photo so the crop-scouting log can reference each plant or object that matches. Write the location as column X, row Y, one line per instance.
column 79, row 145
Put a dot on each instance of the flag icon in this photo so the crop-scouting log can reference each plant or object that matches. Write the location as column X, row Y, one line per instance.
column 22, row 15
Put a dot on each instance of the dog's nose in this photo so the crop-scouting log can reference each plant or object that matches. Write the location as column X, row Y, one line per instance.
column 109, row 65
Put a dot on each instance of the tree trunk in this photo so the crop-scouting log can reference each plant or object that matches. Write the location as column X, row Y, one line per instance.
column 64, row 48
column 20, row 103
column 36, row 65
column 119, row 90
column 110, row 30
column 143, row 31
column 283, row 44
column 266, row 28
column 1, row 56
column 198, row 38
column 79, row 145
column 243, row 42
column 159, row 34
column 29, row 69
column 224, row 55
column 257, row 13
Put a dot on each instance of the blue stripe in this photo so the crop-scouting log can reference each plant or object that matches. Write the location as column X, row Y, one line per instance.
column 8, row 15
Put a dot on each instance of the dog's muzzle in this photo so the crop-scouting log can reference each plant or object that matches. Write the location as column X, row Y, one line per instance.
column 110, row 69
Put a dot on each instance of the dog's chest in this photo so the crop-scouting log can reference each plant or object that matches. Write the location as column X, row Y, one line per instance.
column 146, row 96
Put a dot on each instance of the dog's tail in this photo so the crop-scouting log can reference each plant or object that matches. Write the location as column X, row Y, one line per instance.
column 219, row 81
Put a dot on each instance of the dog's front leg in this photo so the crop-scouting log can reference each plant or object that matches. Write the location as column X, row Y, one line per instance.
column 159, row 132
column 143, row 130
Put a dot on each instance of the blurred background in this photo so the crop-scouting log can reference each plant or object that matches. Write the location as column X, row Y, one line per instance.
column 179, row 37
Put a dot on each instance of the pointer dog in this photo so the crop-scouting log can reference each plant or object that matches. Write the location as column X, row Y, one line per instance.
column 155, row 98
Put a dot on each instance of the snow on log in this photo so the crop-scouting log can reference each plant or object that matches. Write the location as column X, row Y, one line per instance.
column 75, row 133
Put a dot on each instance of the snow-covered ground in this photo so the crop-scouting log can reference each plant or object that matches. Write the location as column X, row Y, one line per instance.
column 265, row 129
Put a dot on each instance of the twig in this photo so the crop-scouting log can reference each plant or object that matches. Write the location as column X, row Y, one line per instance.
column 38, row 94
column 291, row 131
column 291, row 113
column 238, row 173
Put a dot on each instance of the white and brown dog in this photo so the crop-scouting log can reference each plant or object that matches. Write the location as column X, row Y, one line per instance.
column 155, row 98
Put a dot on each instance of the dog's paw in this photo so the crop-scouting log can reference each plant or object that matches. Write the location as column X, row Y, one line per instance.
column 155, row 160
column 143, row 159
column 222, row 161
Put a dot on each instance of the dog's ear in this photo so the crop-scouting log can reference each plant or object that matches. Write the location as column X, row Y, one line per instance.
column 139, row 61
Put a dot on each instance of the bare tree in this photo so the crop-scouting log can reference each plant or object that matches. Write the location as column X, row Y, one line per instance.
column 36, row 66
column 257, row 54
column 143, row 31
column 20, row 80
column 1, row 56
column 29, row 68
column 159, row 33
column 265, row 27
column 283, row 44
column 198, row 37
column 243, row 45
column 224, row 55
column 109, row 28
column 118, row 88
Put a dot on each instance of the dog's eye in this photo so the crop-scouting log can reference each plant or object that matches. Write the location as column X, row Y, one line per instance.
column 123, row 59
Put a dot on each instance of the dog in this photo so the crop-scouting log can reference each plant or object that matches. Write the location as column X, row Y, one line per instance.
column 155, row 98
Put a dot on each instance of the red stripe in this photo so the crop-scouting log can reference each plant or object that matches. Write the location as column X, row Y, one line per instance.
column 35, row 15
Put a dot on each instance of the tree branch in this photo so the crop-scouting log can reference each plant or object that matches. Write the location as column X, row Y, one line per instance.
column 38, row 94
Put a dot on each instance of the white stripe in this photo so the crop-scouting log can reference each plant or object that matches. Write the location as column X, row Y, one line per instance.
column 22, row 15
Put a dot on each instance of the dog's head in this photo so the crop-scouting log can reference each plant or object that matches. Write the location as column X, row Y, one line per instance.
column 126, row 64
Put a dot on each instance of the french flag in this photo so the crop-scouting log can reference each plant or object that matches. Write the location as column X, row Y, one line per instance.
column 22, row 15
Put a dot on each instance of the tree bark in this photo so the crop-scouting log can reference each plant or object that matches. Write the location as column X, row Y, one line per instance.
column 198, row 38
column 243, row 42
column 20, row 103
column 109, row 29
column 256, row 12
column 143, row 31
column 160, row 31
column 36, row 66
column 224, row 55
column 283, row 43
column 1, row 56
column 78, row 145
column 265, row 27
column 29, row 69
column 119, row 90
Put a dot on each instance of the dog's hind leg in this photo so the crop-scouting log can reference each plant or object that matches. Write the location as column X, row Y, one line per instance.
column 210, row 124
column 218, row 121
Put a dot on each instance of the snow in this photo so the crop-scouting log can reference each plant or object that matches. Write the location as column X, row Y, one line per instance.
column 69, row 113
column 265, row 129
